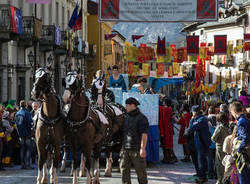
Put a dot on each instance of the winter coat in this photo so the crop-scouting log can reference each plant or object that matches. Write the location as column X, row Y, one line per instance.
column 220, row 133
column 243, row 132
column 24, row 123
column 202, row 135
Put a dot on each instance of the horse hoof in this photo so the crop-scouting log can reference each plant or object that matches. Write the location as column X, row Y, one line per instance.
column 108, row 175
column 82, row 174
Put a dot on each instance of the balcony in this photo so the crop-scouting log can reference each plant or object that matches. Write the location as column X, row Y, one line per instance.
column 48, row 38
column 92, row 52
column 32, row 31
column 6, row 32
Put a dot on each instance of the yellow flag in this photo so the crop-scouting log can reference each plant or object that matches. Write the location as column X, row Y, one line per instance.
column 145, row 69
column 168, row 55
column 202, row 52
column 136, row 70
column 170, row 71
column 176, row 68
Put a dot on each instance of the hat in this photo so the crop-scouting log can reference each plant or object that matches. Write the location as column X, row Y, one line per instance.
column 195, row 108
column 132, row 100
column 5, row 114
column 12, row 102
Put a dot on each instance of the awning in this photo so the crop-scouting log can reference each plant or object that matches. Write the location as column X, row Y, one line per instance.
column 157, row 84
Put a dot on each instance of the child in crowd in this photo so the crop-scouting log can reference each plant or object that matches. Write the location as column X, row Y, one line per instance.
column 221, row 132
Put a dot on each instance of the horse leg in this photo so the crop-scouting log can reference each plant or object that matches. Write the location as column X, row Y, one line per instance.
column 74, row 163
column 63, row 167
column 88, row 163
column 97, row 171
column 82, row 166
column 41, row 162
column 45, row 174
column 109, row 161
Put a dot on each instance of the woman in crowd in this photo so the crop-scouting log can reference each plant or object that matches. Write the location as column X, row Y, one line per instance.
column 184, row 122
column 221, row 132
column 140, row 86
column 116, row 80
column 8, row 146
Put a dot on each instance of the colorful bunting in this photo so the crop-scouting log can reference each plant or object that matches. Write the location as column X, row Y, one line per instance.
column 246, row 37
column 145, row 69
column 170, row 71
column 161, row 47
column 130, row 68
column 180, row 53
column 136, row 70
column 176, row 68
column 247, row 46
column 136, row 37
column 160, row 69
column 109, row 36
column 220, row 44
column 193, row 45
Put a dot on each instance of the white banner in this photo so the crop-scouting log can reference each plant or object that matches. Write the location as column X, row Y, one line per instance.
column 158, row 10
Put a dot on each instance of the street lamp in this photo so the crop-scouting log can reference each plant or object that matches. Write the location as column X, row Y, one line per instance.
column 50, row 59
column 220, row 69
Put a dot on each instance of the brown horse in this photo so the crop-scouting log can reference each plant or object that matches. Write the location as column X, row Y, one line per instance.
column 49, row 127
column 86, row 129
column 114, row 112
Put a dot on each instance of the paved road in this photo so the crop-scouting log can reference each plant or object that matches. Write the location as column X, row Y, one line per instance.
column 179, row 173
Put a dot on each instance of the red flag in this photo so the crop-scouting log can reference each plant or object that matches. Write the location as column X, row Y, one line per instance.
column 78, row 24
column 220, row 44
column 136, row 37
column 109, row 36
column 198, row 72
column 180, row 53
column 246, row 37
column 247, row 46
column 193, row 45
column 206, row 9
column 130, row 68
column 161, row 47
column 203, row 44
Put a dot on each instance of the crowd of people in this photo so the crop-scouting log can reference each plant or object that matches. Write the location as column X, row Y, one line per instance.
column 17, row 144
column 217, row 140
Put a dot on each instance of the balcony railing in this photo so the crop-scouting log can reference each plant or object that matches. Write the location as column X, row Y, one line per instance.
column 48, row 34
column 32, row 27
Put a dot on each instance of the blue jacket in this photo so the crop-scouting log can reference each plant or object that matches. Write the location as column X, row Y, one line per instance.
column 202, row 135
column 243, row 131
column 23, row 122
column 119, row 83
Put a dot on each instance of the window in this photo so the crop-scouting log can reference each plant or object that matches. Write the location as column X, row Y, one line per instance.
column 202, row 31
column 63, row 19
column 43, row 12
column 193, row 34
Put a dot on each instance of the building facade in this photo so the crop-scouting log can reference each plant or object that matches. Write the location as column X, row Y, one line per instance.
column 43, row 42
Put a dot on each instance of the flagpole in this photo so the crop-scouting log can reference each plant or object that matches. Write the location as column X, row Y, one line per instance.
column 35, row 46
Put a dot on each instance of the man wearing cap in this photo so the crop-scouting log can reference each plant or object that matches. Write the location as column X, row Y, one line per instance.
column 202, row 139
column 135, row 133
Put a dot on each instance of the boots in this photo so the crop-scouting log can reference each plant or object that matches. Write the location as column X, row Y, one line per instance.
column 186, row 159
column 167, row 156
column 172, row 156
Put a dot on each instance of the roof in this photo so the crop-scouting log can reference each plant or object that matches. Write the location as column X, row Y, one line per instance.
column 190, row 26
column 228, row 20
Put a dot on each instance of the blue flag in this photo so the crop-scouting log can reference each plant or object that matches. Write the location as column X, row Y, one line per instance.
column 74, row 17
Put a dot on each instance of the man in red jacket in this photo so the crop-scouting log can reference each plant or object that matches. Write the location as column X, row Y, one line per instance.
column 166, row 132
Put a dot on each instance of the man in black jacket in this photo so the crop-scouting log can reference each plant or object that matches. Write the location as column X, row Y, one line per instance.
column 135, row 133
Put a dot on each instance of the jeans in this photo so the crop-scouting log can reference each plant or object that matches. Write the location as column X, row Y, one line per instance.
column 244, row 177
column 211, row 163
column 202, row 162
column 25, row 151
column 194, row 157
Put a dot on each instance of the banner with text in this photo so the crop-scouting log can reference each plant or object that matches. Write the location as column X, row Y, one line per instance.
column 158, row 10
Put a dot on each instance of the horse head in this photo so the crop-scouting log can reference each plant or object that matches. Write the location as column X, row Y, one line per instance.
column 42, row 83
column 73, row 85
column 99, row 81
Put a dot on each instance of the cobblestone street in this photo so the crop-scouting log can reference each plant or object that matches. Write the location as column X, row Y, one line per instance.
column 157, row 174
